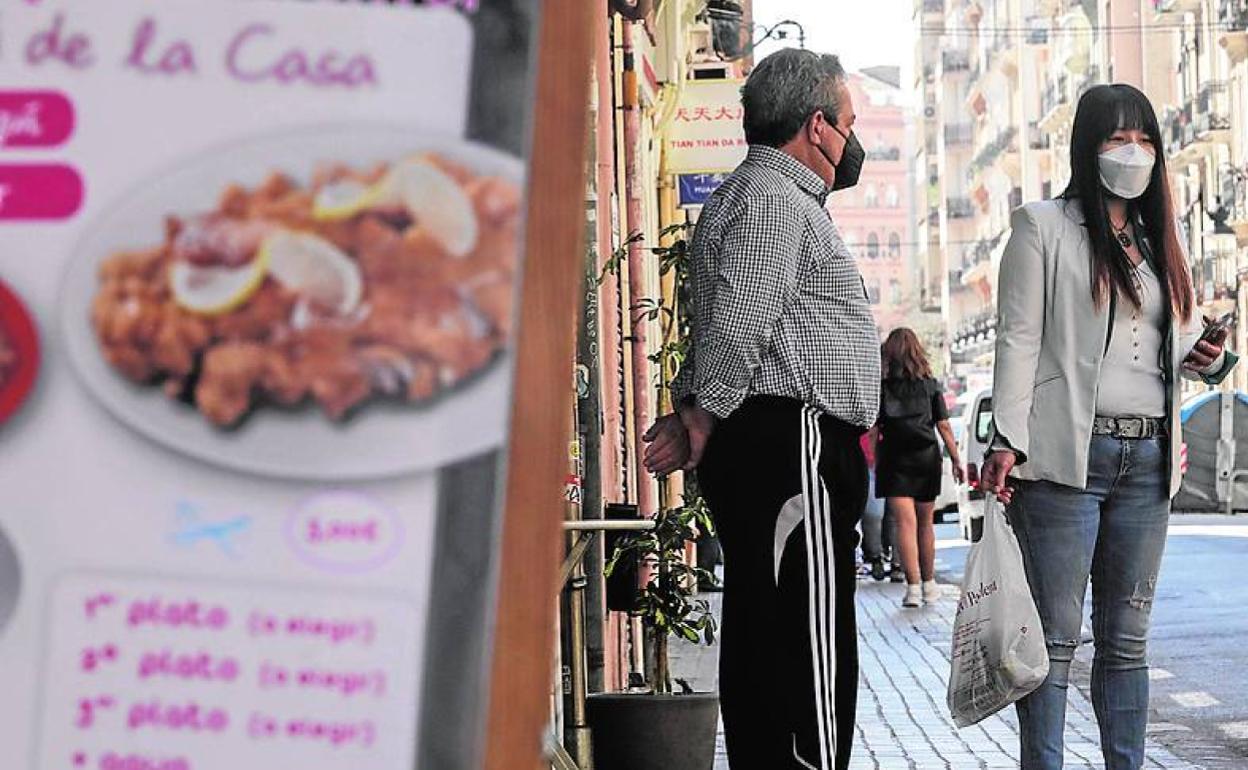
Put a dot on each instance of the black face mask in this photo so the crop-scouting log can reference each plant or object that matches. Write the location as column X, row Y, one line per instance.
column 850, row 167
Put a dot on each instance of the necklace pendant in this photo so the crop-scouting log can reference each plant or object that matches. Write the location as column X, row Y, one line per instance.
column 1125, row 240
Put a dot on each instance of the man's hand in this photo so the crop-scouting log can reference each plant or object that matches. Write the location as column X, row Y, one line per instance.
column 668, row 448
column 995, row 474
column 1206, row 351
column 699, row 424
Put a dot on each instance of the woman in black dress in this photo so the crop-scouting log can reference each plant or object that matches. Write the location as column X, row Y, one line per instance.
column 908, row 461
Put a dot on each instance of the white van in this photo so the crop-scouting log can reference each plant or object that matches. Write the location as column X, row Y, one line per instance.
column 977, row 429
column 947, row 500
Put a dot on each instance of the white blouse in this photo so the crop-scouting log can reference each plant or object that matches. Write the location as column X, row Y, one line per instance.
column 1132, row 382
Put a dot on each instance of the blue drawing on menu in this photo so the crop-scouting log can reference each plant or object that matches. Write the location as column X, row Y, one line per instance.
column 191, row 528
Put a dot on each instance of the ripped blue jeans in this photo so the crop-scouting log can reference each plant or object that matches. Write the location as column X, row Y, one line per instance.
column 1114, row 532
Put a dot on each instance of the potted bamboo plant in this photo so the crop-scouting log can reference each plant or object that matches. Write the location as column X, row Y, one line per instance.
column 662, row 729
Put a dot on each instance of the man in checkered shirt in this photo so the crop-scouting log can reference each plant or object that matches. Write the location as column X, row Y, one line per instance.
column 782, row 380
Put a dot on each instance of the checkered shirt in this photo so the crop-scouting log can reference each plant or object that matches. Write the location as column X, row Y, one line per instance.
column 778, row 305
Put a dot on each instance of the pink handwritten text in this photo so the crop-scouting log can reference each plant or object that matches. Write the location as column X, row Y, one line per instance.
column 336, row 734
column 145, row 56
column 336, row 631
column 187, row 613
column 202, row 666
column 182, row 717
column 113, row 761
column 94, row 657
column 250, row 60
column 345, row 683
column 53, row 43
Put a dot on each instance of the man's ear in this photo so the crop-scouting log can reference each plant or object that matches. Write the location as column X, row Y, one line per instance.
column 814, row 124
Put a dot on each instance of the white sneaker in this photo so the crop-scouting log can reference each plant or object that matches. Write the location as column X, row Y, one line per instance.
column 931, row 591
column 914, row 596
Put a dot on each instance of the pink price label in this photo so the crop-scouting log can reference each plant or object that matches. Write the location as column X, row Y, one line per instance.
column 35, row 119
column 39, row 192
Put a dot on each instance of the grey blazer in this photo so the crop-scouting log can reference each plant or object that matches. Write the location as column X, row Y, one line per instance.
column 1051, row 340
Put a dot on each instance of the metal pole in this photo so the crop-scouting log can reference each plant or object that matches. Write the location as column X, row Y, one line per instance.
column 577, row 664
column 609, row 525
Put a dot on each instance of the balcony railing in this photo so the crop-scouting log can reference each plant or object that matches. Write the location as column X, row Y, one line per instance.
column 960, row 207
column 958, row 134
column 1234, row 195
column 884, row 153
column 955, row 61
column 988, row 155
column 1056, row 94
column 974, row 335
column 982, row 250
column 1233, row 15
column 1212, row 113
column 1177, row 128
column 1037, row 139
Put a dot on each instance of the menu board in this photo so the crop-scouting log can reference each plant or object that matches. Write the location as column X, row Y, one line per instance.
column 259, row 269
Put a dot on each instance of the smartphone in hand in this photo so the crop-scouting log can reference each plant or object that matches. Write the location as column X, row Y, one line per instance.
column 1215, row 329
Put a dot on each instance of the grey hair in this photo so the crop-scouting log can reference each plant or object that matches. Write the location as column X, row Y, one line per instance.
column 785, row 89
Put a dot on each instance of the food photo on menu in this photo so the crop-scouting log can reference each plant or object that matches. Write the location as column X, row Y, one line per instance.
column 388, row 282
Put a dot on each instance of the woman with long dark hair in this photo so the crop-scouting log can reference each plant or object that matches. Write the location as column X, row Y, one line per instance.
column 1097, row 322
column 908, row 462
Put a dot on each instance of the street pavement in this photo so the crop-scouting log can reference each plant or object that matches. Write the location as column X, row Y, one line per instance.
column 1200, row 686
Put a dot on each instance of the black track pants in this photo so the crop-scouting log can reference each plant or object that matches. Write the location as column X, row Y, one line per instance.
column 786, row 487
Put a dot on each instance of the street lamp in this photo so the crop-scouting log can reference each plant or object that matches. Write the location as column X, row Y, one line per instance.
column 727, row 19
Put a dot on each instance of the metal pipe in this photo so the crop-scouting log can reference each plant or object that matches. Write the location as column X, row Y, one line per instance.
column 577, row 665
column 608, row 525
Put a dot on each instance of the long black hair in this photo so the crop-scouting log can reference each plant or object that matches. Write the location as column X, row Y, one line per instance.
column 1102, row 111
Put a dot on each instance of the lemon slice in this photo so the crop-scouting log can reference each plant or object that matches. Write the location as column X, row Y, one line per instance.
column 312, row 267
column 436, row 202
column 344, row 199
column 216, row 290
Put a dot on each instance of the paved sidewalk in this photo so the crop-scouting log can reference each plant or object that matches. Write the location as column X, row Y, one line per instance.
column 903, row 722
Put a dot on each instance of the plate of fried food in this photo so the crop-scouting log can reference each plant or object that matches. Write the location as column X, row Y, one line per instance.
column 329, row 304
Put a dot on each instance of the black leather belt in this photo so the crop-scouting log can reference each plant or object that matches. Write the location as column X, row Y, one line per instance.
column 1129, row 427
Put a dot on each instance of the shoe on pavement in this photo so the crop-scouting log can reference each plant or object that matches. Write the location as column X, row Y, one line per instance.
column 931, row 591
column 877, row 569
column 914, row 596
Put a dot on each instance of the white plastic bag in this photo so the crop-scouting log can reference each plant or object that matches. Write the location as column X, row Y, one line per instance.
column 998, row 650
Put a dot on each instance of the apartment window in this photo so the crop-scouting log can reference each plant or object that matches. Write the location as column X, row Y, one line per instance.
column 873, row 293
column 873, row 246
column 894, row 291
column 871, row 197
column 894, row 245
column 892, row 197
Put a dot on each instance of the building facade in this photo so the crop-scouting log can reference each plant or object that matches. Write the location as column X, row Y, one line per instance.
column 874, row 217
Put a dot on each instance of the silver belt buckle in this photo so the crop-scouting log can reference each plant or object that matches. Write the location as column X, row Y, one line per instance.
column 1132, row 428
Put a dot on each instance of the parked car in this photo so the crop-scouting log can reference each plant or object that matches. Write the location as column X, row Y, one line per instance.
column 977, row 430
column 947, row 500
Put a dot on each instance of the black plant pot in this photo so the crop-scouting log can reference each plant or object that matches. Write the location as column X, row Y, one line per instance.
column 654, row 732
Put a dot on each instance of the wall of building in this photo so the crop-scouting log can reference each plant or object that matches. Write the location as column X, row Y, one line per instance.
column 874, row 217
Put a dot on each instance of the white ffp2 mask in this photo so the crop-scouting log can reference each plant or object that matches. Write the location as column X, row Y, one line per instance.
column 1127, row 170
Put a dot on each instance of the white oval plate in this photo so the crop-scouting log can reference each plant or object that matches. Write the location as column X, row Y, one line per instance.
column 383, row 439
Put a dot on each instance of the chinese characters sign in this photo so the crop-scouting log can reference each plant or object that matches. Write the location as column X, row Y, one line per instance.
column 706, row 135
